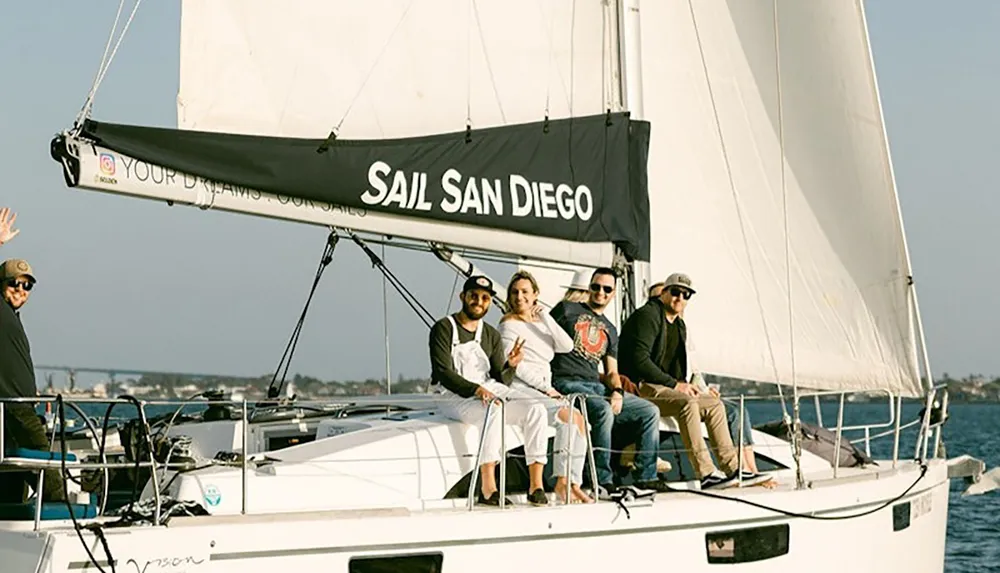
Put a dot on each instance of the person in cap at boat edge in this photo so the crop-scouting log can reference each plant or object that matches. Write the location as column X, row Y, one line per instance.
column 527, row 323
column 654, row 351
column 732, row 414
column 654, row 290
column 470, row 369
column 611, row 411
column 22, row 427
column 578, row 289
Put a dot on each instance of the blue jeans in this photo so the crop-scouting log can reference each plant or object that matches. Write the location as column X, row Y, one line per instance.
column 640, row 417
column 733, row 417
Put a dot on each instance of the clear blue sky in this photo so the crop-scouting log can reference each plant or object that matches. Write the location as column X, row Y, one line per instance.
column 135, row 284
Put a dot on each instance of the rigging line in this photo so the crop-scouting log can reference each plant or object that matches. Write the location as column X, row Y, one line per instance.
column 784, row 203
column 106, row 59
column 796, row 438
column 408, row 297
column 736, row 201
column 605, row 92
column 923, row 472
column 572, row 56
column 84, row 110
column 608, row 55
column 425, row 316
column 273, row 390
column 488, row 256
column 552, row 58
column 454, row 287
column 374, row 65
column 548, row 62
column 468, row 66
column 489, row 66
column 385, row 332
column 572, row 75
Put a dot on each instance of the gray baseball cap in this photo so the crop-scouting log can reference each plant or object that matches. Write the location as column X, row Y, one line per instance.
column 679, row 280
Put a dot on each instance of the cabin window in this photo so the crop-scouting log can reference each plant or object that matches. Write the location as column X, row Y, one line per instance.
column 414, row 563
column 901, row 516
column 746, row 545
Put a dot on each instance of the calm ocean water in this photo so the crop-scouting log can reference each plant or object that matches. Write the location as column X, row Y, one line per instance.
column 973, row 543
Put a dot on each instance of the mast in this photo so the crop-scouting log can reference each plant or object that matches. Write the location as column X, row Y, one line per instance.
column 630, row 87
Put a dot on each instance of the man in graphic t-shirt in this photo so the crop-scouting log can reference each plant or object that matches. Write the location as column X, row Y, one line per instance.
column 609, row 408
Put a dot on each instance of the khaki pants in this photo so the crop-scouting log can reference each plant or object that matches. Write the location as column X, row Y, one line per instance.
column 690, row 412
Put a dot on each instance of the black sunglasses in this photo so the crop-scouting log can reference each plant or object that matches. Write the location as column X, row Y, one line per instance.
column 598, row 288
column 674, row 291
column 25, row 285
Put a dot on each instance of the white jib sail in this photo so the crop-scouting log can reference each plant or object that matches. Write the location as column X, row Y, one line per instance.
column 733, row 147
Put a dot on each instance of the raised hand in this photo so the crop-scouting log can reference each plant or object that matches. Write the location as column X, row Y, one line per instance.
column 515, row 355
column 536, row 311
column 7, row 230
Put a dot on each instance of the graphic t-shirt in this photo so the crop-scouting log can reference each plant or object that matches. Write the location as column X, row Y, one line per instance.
column 594, row 337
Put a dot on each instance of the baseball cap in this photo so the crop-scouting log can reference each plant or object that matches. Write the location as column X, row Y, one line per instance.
column 13, row 268
column 480, row 282
column 679, row 280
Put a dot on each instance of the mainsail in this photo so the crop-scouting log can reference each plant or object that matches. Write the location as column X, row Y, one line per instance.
column 766, row 112
column 329, row 74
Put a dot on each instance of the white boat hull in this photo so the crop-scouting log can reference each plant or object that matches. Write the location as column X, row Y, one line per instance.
column 669, row 532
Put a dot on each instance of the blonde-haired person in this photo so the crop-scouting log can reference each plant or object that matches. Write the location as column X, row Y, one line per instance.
column 578, row 290
column 527, row 323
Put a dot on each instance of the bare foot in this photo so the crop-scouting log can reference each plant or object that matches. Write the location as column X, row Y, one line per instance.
column 579, row 496
column 769, row 484
column 560, row 491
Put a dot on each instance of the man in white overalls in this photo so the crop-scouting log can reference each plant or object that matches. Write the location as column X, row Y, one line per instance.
column 467, row 359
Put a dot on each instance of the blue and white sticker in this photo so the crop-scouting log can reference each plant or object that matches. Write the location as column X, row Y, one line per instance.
column 212, row 495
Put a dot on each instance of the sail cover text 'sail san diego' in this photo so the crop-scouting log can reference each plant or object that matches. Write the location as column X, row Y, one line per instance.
column 580, row 179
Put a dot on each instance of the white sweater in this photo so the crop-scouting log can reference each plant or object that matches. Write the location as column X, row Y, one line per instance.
column 542, row 340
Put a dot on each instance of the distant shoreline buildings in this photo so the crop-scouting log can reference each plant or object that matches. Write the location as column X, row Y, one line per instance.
column 166, row 386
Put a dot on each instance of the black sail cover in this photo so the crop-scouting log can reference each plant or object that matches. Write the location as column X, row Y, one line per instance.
column 580, row 179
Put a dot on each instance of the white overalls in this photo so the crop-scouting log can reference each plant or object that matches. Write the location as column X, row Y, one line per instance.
column 472, row 363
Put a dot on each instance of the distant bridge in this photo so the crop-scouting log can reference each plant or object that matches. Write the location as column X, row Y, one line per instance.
column 72, row 371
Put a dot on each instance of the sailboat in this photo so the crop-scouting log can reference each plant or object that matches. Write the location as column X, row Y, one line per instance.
column 741, row 142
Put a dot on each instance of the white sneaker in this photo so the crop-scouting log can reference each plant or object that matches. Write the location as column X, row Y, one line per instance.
column 663, row 466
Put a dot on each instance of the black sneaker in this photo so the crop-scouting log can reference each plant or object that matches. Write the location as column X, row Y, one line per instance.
column 538, row 498
column 718, row 480
column 606, row 492
column 493, row 500
column 656, row 485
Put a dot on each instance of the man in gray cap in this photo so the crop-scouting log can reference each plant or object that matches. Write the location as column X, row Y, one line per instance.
column 653, row 350
column 22, row 428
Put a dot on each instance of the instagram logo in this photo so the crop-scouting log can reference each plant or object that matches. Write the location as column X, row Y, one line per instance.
column 107, row 164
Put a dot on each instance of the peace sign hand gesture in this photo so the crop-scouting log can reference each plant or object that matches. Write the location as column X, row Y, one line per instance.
column 515, row 355
column 7, row 230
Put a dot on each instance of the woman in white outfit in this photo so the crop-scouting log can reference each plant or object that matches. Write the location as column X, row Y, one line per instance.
column 469, row 363
column 539, row 336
